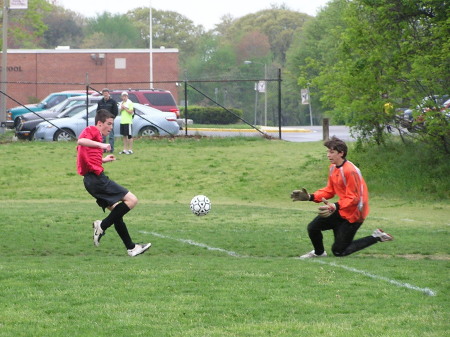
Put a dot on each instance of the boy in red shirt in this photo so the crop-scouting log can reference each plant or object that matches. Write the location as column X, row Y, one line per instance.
column 345, row 216
column 108, row 193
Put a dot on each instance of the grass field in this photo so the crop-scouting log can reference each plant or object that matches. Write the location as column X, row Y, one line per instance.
column 233, row 272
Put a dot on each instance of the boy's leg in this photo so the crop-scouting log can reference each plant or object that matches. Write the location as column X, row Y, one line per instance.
column 111, row 139
column 122, row 230
column 130, row 143
column 116, row 218
column 315, row 229
column 116, row 214
column 343, row 236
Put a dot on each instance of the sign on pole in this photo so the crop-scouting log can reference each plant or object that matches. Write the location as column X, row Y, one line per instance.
column 262, row 86
column 305, row 96
column 18, row 4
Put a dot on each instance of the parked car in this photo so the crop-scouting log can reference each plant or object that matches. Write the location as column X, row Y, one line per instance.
column 427, row 103
column 148, row 121
column 26, row 129
column 47, row 103
column 156, row 98
column 27, row 122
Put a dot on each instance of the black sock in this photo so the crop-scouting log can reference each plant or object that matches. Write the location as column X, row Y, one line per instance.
column 122, row 230
column 117, row 213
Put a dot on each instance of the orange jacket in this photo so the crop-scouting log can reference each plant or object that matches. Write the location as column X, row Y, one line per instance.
column 347, row 182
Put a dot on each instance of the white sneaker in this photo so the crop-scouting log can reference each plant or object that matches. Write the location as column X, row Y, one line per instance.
column 139, row 249
column 130, row 152
column 98, row 232
column 312, row 254
column 124, row 152
column 379, row 233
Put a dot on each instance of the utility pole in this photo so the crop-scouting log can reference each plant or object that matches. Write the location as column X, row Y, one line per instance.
column 151, row 46
column 4, row 67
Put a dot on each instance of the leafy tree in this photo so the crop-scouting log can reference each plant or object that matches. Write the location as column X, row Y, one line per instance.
column 170, row 29
column 118, row 30
column 253, row 45
column 384, row 48
column 65, row 27
column 27, row 26
column 279, row 24
column 313, row 50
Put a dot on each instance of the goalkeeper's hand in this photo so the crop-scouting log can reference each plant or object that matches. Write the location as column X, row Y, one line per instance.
column 300, row 195
column 326, row 210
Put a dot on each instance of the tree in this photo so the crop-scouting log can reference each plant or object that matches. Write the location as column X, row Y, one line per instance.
column 279, row 24
column 64, row 28
column 27, row 26
column 170, row 29
column 253, row 45
column 313, row 50
column 397, row 48
column 118, row 32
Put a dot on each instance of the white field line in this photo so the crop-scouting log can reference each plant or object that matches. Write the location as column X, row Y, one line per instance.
column 193, row 243
column 426, row 291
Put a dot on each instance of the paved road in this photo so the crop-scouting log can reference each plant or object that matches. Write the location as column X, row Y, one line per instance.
column 288, row 133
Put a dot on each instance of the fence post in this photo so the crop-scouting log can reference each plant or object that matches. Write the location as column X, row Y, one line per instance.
column 279, row 102
column 326, row 129
column 185, row 109
column 87, row 99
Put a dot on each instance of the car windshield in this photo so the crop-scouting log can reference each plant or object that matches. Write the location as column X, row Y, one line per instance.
column 75, row 111
column 72, row 112
column 160, row 99
column 58, row 107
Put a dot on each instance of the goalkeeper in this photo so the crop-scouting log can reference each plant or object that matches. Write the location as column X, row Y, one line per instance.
column 346, row 215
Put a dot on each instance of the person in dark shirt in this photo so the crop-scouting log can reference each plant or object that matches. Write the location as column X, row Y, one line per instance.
column 109, row 104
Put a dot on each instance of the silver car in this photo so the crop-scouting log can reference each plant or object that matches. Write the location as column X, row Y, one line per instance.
column 28, row 122
column 147, row 121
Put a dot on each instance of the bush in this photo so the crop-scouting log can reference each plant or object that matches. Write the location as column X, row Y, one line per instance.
column 212, row 115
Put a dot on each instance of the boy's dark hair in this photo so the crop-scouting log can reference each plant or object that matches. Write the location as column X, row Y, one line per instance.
column 102, row 115
column 336, row 144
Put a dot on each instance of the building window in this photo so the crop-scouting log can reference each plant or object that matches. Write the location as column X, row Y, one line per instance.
column 121, row 63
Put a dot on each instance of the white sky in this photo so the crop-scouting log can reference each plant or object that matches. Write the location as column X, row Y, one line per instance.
column 201, row 12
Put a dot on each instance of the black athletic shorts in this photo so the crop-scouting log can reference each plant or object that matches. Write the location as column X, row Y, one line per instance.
column 126, row 130
column 106, row 191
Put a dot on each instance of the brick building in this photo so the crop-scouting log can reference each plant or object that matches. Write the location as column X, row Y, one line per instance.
column 33, row 74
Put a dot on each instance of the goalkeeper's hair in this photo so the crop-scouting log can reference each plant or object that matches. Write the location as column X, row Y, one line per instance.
column 336, row 144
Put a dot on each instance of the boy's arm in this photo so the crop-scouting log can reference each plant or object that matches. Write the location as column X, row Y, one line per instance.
column 92, row 143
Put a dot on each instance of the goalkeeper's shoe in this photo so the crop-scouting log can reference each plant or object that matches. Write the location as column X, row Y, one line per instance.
column 313, row 254
column 98, row 232
column 381, row 235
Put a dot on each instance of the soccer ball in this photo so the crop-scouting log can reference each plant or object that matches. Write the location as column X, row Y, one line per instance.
column 200, row 205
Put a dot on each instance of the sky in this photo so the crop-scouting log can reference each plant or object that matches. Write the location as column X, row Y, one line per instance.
column 202, row 12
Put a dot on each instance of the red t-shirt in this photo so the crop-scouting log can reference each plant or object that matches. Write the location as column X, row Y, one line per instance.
column 90, row 159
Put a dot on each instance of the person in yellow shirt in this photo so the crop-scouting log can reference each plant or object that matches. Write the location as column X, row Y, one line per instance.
column 126, row 110
column 389, row 112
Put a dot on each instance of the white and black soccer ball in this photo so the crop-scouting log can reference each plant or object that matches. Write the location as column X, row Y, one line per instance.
column 200, row 205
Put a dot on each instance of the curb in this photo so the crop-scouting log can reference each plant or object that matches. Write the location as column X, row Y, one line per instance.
column 265, row 129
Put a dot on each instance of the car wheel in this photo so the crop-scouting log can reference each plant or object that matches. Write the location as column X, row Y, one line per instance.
column 31, row 136
column 17, row 121
column 63, row 135
column 148, row 131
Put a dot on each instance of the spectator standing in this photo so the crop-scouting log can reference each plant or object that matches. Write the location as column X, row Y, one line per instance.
column 126, row 123
column 109, row 104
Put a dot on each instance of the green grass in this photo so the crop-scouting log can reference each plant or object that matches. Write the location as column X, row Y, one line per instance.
column 230, row 273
